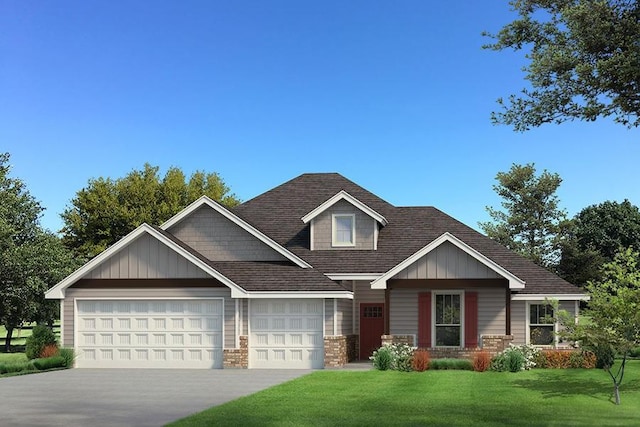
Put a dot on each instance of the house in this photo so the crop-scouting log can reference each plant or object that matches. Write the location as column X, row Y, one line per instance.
column 313, row 273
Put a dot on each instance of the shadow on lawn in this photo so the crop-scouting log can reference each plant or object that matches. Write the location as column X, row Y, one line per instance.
column 552, row 385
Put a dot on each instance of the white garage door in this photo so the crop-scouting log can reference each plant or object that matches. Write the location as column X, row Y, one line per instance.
column 286, row 334
column 149, row 333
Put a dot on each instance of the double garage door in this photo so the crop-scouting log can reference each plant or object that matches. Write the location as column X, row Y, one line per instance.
column 149, row 333
column 185, row 333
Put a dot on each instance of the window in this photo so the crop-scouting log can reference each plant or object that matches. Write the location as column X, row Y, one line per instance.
column 541, row 324
column 448, row 320
column 344, row 230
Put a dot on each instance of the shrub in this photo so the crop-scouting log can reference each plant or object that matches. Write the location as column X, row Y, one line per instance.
column 635, row 352
column 451, row 364
column 68, row 355
column 540, row 359
column 516, row 361
column 588, row 360
column 14, row 367
column 382, row 358
column 563, row 359
column 49, row 350
column 421, row 360
column 515, row 358
column 481, row 361
column 41, row 336
column 49, row 363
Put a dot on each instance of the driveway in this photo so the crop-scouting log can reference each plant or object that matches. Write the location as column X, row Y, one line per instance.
column 131, row 397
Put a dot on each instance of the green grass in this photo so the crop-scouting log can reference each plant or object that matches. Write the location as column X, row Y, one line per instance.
column 12, row 358
column 544, row 397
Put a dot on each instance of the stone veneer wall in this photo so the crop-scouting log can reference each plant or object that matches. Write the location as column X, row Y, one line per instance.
column 493, row 344
column 335, row 351
column 237, row 357
column 353, row 347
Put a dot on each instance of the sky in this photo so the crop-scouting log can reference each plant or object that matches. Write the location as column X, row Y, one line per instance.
column 396, row 96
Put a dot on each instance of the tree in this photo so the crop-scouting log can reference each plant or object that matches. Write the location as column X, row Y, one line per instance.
column 613, row 316
column 597, row 234
column 531, row 223
column 31, row 259
column 583, row 61
column 107, row 209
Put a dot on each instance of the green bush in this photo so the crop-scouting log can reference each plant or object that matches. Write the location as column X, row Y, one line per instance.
column 516, row 361
column 382, row 358
column 41, row 336
column 68, row 355
column 10, row 368
column 516, row 358
column 49, row 363
column 451, row 364
column 635, row 352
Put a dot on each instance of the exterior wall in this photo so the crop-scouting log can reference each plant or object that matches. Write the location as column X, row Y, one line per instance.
column 447, row 262
column 148, row 293
column 146, row 258
column 219, row 239
column 364, row 294
column 237, row 357
column 519, row 317
column 345, row 316
column 329, row 316
column 322, row 228
column 403, row 309
column 335, row 351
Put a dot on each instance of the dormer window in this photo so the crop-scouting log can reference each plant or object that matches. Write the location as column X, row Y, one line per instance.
column 344, row 230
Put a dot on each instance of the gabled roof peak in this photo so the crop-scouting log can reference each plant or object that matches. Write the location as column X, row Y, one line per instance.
column 343, row 195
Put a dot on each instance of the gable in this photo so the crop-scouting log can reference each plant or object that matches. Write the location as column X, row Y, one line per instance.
column 219, row 239
column 146, row 258
column 365, row 227
column 447, row 262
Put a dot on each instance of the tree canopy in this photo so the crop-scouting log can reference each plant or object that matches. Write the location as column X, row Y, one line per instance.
column 108, row 209
column 31, row 259
column 583, row 61
column 531, row 221
column 612, row 319
column 596, row 235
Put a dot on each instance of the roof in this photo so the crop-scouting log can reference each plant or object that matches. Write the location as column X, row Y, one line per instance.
column 278, row 213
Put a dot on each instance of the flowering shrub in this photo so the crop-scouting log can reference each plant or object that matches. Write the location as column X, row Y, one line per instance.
column 394, row 356
column 515, row 358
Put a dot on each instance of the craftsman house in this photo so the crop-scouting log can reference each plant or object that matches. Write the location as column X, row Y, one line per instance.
column 313, row 273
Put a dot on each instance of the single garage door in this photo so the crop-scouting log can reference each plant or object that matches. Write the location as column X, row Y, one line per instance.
column 149, row 333
column 286, row 334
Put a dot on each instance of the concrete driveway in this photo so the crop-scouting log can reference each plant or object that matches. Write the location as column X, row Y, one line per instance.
column 131, row 397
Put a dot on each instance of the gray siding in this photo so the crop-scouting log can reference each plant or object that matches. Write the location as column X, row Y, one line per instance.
column 72, row 294
column 322, row 228
column 219, row 239
column 404, row 311
column 329, row 316
column 447, row 262
column 146, row 258
column 519, row 317
column 345, row 316
column 364, row 293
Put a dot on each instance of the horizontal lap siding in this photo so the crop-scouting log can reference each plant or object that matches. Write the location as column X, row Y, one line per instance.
column 518, row 321
column 329, row 316
column 72, row 294
column 345, row 316
column 404, row 311
column 219, row 239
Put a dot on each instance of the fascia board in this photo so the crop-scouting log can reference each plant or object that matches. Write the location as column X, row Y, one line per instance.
column 204, row 200
column 514, row 281
column 559, row 297
column 300, row 295
column 353, row 276
column 343, row 195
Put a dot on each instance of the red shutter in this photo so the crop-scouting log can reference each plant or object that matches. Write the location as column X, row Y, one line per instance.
column 470, row 319
column 424, row 319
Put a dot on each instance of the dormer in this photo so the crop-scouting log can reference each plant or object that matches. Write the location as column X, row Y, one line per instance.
column 342, row 223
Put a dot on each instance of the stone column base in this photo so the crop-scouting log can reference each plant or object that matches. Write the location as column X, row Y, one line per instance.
column 237, row 357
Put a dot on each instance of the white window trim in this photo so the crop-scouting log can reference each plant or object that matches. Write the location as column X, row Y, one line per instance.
column 334, row 241
column 528, row 326
column 433, row 317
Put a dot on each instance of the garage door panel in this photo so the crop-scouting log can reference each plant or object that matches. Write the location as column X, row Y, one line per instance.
column 150, row 334
column 286, row 334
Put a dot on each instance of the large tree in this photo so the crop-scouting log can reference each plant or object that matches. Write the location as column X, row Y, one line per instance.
column 31, row 259
column 612, row 326
column 583, row 61
column 597, row 234
column 108, row 209
column 531, row 222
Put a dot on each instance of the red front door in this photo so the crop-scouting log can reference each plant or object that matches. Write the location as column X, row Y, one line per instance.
column 371, row 328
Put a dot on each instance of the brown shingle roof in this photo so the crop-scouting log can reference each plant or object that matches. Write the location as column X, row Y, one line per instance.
column 278, row 213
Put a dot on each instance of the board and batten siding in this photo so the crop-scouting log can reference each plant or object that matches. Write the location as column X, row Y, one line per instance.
column 403, row 308
column 447, row 262
column 149, row 293
column 363, row 294
column 323, row 223
column 146, row 258
column 519, row 314
column 219, row 239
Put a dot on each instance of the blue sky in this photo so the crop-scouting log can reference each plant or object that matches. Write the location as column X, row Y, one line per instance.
column 394, row 95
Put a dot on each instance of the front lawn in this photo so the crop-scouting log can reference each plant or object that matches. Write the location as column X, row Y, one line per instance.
column 12, row 358
column 543, row 397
